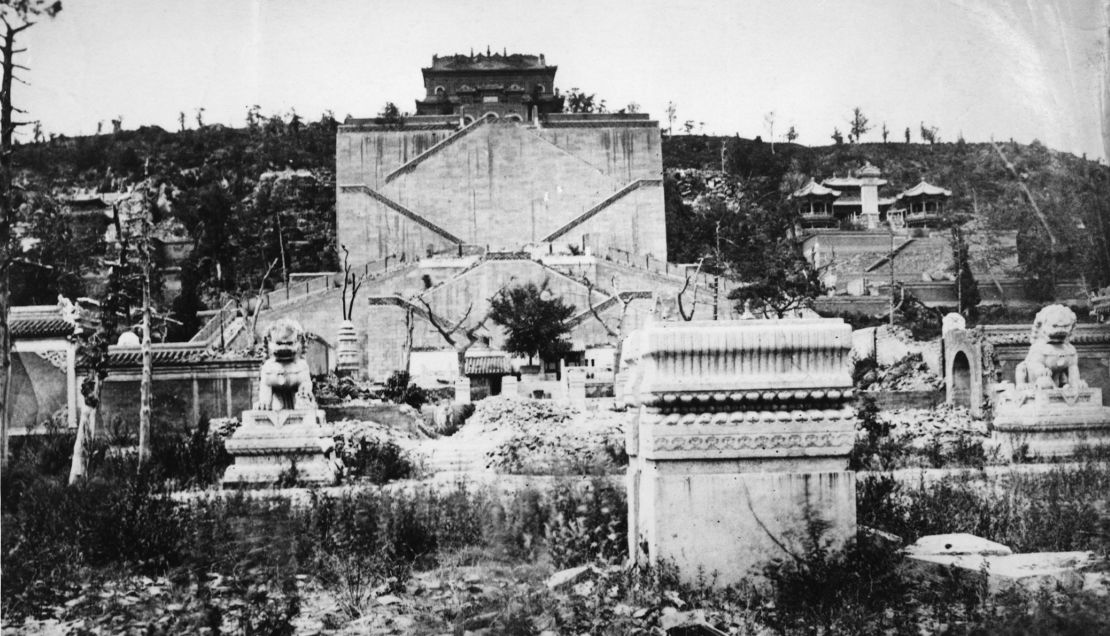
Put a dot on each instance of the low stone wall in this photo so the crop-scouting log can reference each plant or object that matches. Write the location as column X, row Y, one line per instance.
column 890, row 400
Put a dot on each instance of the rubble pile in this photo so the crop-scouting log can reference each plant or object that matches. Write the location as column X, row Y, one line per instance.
column 497, row 413
column 911, row 373
column 695, row 184
column 530, row 436
column 921, row 428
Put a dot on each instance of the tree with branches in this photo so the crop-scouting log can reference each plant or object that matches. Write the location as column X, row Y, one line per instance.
column 460, row 336
column 536, row 320
column 858, row 125
column 17, row 16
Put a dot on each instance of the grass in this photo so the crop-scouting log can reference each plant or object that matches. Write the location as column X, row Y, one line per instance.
column 253, row 566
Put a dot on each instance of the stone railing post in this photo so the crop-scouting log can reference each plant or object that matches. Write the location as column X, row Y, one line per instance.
column 739, row 442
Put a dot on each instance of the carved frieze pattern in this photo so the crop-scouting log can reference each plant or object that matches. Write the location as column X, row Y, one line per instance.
column 755, row 441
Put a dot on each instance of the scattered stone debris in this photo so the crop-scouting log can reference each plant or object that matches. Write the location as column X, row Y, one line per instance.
column 911, row 373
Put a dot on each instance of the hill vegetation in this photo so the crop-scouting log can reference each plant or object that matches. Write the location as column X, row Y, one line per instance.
column 250, row 226
column 1058, row 203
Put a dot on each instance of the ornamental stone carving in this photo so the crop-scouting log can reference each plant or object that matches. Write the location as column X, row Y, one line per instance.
column 740, row 437
column 284, row 435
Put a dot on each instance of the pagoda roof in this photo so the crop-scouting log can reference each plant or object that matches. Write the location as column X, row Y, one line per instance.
column 868, row 174
column 488, row 62
column 925, row 189
column 814, row 189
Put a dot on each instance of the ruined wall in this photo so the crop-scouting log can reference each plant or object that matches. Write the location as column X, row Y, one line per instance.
column 501, row 184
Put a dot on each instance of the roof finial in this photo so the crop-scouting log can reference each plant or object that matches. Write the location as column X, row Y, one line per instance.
column 487, row 51
column 472, row 52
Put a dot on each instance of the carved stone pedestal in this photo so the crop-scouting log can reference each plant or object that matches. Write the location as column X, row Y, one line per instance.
column 739, row 443
column 1054, row 422
column 270, row 443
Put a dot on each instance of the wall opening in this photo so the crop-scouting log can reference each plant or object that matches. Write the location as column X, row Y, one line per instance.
column 961, row 380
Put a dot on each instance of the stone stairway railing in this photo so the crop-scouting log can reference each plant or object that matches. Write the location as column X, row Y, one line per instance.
column 232, row 323
column 404, row 211
column 886, row 258
column 609, row 200
column 447, row 141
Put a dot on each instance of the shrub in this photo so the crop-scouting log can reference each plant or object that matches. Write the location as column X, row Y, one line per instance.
column 876, row 450
column 364, row 453
column 400, row 390
column 590, row 525
column 1054, row 511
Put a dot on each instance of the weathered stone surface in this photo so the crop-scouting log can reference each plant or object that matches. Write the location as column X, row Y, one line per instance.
column 1049, row 410
column 270, row 443
column 739, row 441
column 285, row 431
column 1031, row 571
column 959, row 543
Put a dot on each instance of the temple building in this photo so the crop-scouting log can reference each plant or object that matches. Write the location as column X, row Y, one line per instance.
column 488, row 162
column 855, row 202
column 514, row 86
column 922, row 205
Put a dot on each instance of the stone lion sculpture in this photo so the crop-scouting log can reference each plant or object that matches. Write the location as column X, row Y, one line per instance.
column 1052, row 361
column 285, row 382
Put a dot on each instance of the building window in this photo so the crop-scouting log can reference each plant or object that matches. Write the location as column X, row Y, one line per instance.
column 540, row 88
column 440, row 91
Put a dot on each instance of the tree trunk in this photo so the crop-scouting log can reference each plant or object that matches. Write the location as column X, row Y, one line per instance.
column 86, row 424
column 6, row 129
column 145, row 384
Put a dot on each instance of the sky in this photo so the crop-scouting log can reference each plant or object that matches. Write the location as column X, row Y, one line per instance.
column 983, row 69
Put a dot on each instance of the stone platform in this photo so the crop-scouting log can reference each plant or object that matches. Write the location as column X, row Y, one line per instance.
column 739, row 444
column 1056, row 422
column 270, row 443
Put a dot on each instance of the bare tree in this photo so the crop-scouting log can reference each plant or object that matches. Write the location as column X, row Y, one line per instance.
column 458, row 336
column 672, row 108
column 349, row 280
column 685, row 286
column 17, row 16
column 769, row 119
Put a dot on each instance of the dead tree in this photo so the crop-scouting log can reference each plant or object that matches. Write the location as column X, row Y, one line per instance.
column 459, row 337
column 685, row 286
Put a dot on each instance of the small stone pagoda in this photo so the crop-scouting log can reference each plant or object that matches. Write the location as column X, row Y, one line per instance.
column 285, row 432
column 739, row 443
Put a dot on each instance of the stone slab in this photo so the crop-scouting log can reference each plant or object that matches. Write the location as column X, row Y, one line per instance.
column 732, row 524
column 1031, row 571
column 955, row 544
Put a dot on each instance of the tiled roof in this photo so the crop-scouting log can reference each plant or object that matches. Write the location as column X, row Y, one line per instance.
column 487, row 365
column 164, row 355
column 814, row 189
column 925, row 189
column 38, row 321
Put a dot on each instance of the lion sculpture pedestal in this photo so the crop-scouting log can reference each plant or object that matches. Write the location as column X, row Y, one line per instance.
column 1049, row 410
column 285, row 432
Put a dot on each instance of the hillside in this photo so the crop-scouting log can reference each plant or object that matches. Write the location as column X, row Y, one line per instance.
column 1072, row 193
column 227, row 194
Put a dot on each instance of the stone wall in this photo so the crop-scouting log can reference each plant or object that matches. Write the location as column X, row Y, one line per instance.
column 501, row 184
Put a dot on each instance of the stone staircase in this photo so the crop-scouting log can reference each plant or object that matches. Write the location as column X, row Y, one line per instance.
column 457, row 454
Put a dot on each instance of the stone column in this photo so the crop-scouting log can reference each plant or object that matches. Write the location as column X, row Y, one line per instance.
column 739, row 443
column 510, row 387
column 576, row 387
column 462, row 390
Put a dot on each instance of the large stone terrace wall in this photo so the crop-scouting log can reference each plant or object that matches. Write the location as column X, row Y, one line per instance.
column 501, row 184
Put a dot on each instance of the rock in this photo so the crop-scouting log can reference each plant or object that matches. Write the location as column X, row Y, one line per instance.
column 690, row 623
column 389, row 599
column 567, row 577
column 956, row 544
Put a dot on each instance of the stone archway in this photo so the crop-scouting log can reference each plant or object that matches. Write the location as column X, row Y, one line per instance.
column 961, row 380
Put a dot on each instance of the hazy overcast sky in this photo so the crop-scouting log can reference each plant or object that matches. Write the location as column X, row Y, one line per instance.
column 1027, row 69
